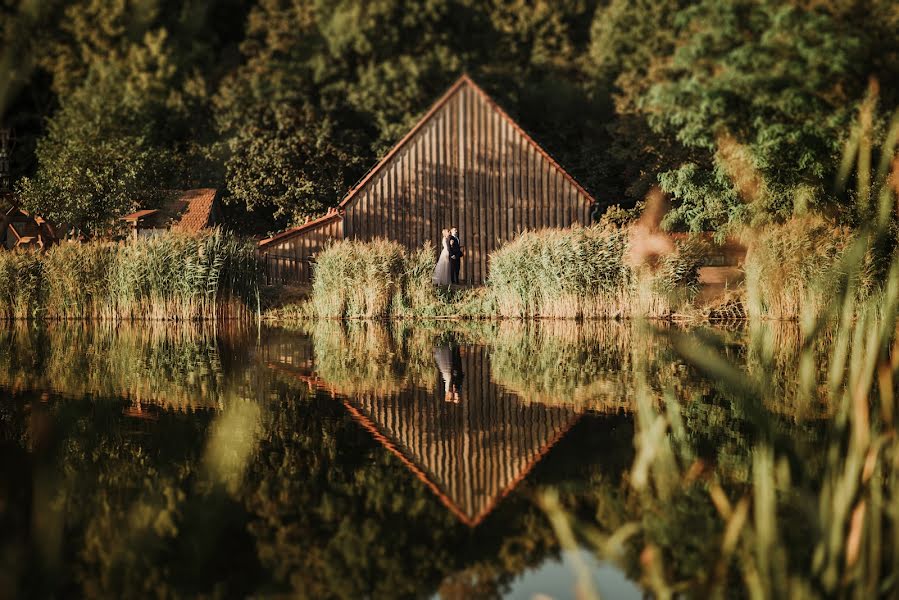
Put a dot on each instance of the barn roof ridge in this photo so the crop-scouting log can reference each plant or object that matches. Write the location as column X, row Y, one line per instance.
column 463, row 81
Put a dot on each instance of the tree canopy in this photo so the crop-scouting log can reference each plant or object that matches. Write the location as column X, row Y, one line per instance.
column 738, row 110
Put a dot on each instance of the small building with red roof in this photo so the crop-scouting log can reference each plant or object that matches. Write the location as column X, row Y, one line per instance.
column 190, row 211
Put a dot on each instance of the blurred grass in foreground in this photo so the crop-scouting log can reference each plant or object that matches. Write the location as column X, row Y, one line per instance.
column 848, row 515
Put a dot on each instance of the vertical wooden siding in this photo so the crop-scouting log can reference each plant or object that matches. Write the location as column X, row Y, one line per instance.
column 290, row 260
column 467, row 166
column 475, row 452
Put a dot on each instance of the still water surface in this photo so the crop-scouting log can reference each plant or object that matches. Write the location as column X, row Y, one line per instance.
column 351, row 461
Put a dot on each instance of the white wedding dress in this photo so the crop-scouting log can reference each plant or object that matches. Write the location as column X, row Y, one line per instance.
column 443, row 272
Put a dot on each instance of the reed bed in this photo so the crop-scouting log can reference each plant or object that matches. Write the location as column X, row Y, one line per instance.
column 788, row 267
column 21, row 274
column 380, row 279
column 357, row 279
column 575, row 273
column 586, row 272
column 173, row 276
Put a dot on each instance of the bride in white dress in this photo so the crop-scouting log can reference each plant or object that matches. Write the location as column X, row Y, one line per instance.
column 443, row 274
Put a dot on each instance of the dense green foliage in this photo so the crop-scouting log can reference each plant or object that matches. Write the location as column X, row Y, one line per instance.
column 737, row 109
column 848, row 547
column 103, row 146
column 171, row 276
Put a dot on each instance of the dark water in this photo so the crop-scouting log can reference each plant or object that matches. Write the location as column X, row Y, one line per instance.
column 345, row 461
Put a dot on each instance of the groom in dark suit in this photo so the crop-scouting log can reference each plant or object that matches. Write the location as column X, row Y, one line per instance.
column 455, row 254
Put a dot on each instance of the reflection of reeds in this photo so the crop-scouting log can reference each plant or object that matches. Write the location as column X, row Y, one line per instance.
column 372, row 358
column 178, row 367
column 585, row 365
column 172, row 276
column 592, row 364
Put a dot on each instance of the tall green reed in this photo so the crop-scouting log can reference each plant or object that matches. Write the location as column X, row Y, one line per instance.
column 789, row 267
column 171, row 276
column 357, row 279
column 586, row 272
column 581, row 272
column 21, row 275
column 381, row 279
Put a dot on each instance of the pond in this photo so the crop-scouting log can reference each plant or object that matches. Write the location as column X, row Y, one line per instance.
column 357, row 459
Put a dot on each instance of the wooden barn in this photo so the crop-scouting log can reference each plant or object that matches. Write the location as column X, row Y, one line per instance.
column 465, row 164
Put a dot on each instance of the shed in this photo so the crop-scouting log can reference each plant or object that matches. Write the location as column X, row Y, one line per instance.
column 466, row 163
column 184, row 210
column 19, row 229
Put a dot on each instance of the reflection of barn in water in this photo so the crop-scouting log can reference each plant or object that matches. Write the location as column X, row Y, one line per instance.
column 471, row 453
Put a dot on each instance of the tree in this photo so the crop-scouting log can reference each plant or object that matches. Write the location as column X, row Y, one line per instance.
column 627, row 40
column 762, row 93
column 329, row 87
column 99, row 156
column 121, row 137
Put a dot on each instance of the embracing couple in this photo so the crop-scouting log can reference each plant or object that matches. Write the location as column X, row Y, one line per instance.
column 447, row 270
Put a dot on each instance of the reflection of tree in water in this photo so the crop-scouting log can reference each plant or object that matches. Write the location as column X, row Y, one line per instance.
column 467, row 439
column 329, row 512
column 129, row 524
column 321, row 509
column 338, row 515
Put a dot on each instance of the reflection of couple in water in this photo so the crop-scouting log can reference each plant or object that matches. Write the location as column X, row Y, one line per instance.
column 449, row 362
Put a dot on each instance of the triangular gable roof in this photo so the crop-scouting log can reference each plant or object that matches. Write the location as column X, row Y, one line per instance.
column 470, row 455
column 464, row 82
